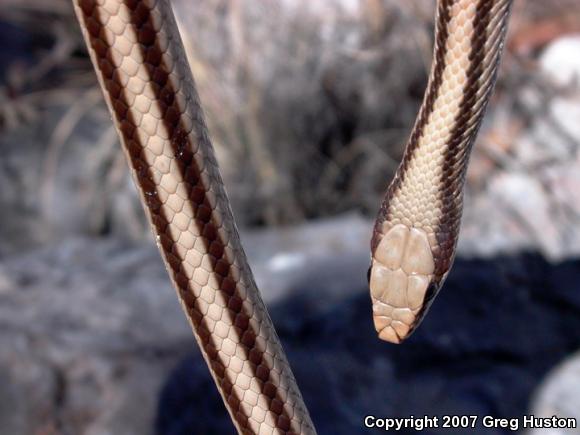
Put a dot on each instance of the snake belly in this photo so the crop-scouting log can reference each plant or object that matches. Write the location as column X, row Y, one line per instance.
column 141, row 65
column 416, row 231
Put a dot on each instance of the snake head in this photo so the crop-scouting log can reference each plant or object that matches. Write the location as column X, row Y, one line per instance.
column 402, row 281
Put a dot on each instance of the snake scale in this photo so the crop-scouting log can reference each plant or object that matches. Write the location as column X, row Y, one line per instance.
column 141, row 66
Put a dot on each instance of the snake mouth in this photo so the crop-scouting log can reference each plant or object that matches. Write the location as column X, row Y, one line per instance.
column 395, row 325
column 387, row 331
column 394, row 328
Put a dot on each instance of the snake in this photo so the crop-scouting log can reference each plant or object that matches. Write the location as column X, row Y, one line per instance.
column 141, row 66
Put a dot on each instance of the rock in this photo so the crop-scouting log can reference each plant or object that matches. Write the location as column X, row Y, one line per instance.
column 495, row 330
column 522, row 183
column 518, row 194
column 91, row 327
column 91, row 331
column 328, row 250
column 558, row 395
column 559, row 62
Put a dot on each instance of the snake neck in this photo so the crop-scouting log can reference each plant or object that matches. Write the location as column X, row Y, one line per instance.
column 416, row 232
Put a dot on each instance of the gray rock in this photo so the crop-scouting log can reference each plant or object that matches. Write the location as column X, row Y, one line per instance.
column 90, row 328
column 559, row 395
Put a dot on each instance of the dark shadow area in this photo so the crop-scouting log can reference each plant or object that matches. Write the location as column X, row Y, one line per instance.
column 495, row 330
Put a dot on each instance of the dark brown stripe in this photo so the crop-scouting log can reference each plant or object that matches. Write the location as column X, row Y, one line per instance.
column 182, row 146
column 441, row 36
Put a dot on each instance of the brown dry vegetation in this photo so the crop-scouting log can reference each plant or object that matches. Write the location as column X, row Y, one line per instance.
column 309, row 105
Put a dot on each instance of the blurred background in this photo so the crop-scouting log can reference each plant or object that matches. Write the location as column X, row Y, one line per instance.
column 309, row 105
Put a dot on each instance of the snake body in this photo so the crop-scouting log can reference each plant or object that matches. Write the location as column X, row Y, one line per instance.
column 148, row 86
column 141, row 66
column 416, row 230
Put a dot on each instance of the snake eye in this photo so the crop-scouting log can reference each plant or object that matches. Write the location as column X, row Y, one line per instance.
column 369, row 275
